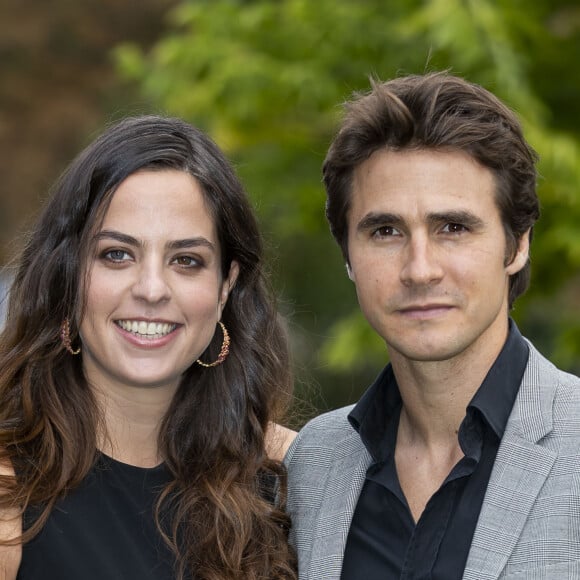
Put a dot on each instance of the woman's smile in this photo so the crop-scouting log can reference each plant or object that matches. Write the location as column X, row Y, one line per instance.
column 155, row 285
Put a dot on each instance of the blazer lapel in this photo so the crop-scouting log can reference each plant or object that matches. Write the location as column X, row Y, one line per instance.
column 343, row 487
column 520, row 470
column 519, row 473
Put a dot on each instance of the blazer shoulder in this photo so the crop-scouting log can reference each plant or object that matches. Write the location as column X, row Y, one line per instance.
column 542, row 372
column 548, row 403
column 327, row 432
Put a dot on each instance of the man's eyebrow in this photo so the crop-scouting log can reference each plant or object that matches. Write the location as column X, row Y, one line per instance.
column 375, row 220
column 465, row 218
column 172, row 245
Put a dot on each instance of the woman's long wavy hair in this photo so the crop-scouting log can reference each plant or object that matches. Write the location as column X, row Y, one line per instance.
column 214, row 514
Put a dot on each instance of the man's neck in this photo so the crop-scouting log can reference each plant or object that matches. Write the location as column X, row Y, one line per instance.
column 435, row 394
column 434, row 397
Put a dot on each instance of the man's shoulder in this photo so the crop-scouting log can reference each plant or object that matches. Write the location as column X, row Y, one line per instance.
column 329, row 432
column 540, row 370
column 336, row 419
column 328, row 425
column 548, row 404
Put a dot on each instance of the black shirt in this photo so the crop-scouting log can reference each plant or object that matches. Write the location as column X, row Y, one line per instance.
column 384, row 542
column 104, row 529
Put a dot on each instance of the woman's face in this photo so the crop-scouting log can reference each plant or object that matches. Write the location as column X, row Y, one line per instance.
column 155, row 286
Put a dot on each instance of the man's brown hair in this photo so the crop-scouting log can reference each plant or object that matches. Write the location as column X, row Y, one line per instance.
column 437, row 111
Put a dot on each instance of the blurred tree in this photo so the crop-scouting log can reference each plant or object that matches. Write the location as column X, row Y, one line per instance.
column 58, row 86
column 265, row 78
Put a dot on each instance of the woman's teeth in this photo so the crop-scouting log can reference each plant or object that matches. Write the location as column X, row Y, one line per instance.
column 146, row 329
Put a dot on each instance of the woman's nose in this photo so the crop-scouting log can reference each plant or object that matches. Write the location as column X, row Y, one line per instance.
column 151, row 283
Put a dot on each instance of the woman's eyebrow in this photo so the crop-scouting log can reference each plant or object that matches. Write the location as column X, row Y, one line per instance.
column 117, row 236
column 172, row 245
column 191, row 243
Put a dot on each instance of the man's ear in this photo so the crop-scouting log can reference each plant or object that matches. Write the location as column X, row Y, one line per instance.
column 349, row 272
column 521, row 256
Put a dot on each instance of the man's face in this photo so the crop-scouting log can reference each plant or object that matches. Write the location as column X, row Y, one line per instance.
column 427, row 254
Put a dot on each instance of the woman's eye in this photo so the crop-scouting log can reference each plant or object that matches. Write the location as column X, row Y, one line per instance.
column 186, row 261
column 116, row 255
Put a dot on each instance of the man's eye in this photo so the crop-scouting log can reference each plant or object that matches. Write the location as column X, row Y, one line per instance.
column 454, row 228
column 384, row 232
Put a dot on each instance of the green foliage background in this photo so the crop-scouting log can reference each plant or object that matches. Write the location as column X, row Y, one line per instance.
column 266, row 78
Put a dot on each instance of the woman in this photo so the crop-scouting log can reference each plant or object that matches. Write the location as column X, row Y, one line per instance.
column 143, row 365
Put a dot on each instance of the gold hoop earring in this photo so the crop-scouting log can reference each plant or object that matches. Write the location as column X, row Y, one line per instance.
column 65, row 337
column 224, row 351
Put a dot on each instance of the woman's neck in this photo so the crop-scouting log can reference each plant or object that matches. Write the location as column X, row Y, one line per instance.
column 131, row 419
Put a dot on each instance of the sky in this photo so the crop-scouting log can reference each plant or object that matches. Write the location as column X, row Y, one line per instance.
column 3, row 292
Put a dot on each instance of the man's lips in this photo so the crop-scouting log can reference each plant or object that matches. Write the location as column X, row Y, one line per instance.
column 430, row 306
column 424, row 310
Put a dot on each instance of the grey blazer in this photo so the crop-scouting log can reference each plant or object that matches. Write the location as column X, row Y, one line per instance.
column 529, row 525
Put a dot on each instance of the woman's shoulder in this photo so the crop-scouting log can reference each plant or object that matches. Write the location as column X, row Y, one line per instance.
column 278, row 440
column 10, row 529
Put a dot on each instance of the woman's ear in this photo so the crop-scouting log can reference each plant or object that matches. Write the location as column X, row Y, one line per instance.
column 228, row 284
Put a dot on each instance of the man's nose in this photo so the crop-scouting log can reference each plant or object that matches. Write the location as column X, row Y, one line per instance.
column 421, row 262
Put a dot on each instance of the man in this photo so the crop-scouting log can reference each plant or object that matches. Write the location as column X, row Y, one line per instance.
column 462, row 459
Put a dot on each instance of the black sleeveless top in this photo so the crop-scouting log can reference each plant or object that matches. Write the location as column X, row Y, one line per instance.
column 103, row 530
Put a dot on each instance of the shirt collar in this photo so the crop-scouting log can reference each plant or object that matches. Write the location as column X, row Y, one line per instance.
column 375, row 410
column 494, row 399
column 497, row 394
